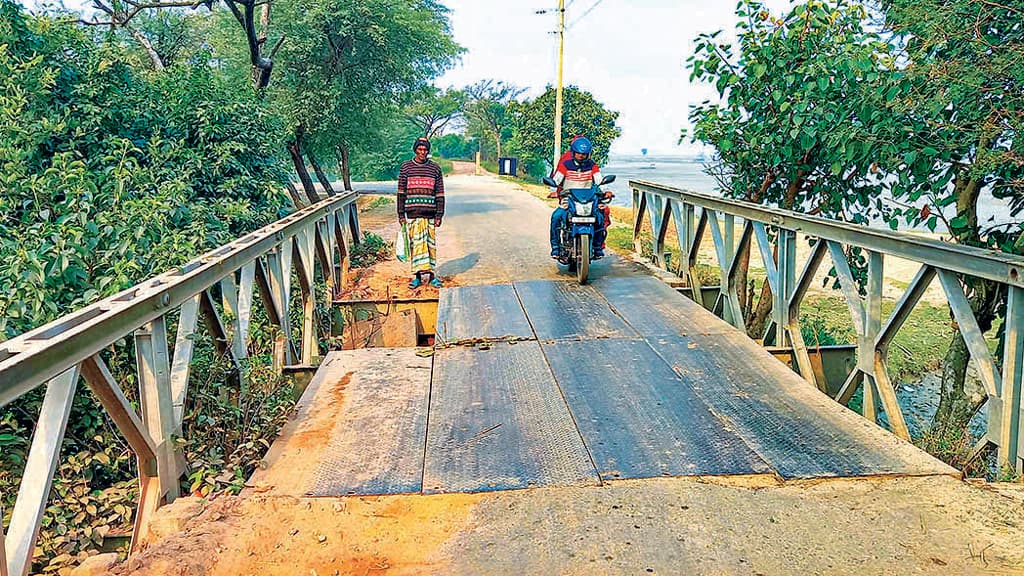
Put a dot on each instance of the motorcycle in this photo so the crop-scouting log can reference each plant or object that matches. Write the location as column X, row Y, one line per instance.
column 576, row 231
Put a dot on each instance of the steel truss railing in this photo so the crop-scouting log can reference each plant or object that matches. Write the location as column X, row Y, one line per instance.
column 774, row 232
column 61, row 352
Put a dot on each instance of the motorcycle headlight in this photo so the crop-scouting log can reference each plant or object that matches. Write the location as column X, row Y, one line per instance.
column 584, row 209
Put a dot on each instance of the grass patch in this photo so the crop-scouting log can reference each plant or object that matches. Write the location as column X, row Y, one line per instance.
column 917, row 349
column 377, row 203
column 447, row 167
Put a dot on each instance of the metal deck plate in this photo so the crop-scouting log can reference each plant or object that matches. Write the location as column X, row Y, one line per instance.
column 376, row 446
column 566, row 310
column 798, row 430
column 654, row 308
column 498, row 421
column 480, row 312
column 638, row 419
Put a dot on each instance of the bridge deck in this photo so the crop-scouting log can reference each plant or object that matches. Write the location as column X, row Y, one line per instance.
column 551, row 383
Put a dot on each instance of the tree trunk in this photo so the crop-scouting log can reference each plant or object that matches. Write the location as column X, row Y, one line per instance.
column 497, row 142
column 320, row 175
column 297, row 199
column 741, row 280
column 759, row 319
column 295, row 149
column 345, row 166
column 956, row 405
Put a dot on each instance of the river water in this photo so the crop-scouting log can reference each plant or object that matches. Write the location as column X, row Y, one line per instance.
column 688, row 173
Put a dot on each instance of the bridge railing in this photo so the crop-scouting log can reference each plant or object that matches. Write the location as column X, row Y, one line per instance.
column 58, row 354
column 775, row 233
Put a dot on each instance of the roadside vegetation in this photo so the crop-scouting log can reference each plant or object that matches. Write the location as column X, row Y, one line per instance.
column 131, row 148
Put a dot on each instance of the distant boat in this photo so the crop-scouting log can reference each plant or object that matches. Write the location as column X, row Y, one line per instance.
column 648, row 167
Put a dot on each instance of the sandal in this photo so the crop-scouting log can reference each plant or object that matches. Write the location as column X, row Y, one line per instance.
column 436, row 283
column 416, row 282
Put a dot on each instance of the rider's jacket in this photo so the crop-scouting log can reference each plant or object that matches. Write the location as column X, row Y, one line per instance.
column 573, row 175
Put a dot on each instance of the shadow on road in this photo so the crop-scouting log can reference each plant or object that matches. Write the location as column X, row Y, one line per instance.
column 476, row 207
column 459, row 265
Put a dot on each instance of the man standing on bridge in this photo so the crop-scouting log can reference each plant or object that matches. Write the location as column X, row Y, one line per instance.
column 421, row 201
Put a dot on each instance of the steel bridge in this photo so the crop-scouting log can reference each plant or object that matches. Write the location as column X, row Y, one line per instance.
column 511, row 397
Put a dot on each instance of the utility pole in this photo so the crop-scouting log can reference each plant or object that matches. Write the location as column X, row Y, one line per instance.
column 558, row 90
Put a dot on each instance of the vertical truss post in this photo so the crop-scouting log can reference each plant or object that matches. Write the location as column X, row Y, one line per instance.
column 866, row 340
column 1013, row 368
column 304, row 264
column 639, row 208
column 786, row 277
column 40, row 466
column 727, row 300
column 156, row 401
column 279, row 297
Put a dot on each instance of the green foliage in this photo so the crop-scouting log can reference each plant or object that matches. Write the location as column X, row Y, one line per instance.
column 229, row 426
column 486, row 110
column 349, row 66
column 791, row 91
column 371, row 250
column 533, row 131
column 961, row 112
column 455, row 146
column 916, row 121
column 110, row 175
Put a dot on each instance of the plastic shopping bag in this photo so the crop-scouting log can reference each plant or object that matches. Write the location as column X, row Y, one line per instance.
column 402, row 243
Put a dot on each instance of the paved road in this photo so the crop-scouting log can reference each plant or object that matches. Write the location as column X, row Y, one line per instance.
column 482, row 211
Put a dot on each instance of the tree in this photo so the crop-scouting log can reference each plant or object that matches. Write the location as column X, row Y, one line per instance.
column 533, row 132
column 350, row 64
column 433, row 111
column 819, row 114
column 121, row 13
column 961, row 108
column 486, row 108
column 791, row 91
column 111, row 173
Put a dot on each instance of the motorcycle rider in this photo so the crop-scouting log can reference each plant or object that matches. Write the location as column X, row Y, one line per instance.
column 577, row 172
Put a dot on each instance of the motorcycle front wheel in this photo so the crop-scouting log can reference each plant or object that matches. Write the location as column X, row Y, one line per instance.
column 582, row 258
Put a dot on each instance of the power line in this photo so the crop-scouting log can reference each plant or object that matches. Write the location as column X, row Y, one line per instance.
column 584, row 15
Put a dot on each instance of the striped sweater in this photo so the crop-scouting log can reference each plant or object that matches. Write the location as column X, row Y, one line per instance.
column 420, row 190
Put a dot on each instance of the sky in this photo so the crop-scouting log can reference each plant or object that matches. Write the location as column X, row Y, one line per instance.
column 630, row 54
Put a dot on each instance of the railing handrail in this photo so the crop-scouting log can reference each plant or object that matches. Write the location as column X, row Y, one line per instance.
column 980, row 262
column 1002, row 382
column 39, row 355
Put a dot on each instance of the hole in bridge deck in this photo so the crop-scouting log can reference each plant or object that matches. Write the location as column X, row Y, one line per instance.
column 396, row 323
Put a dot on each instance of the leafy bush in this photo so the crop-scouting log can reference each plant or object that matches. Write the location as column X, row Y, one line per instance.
column 371, row 250
column 111, row 175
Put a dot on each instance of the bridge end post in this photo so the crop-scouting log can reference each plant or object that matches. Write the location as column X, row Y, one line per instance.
column 1013, row 368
